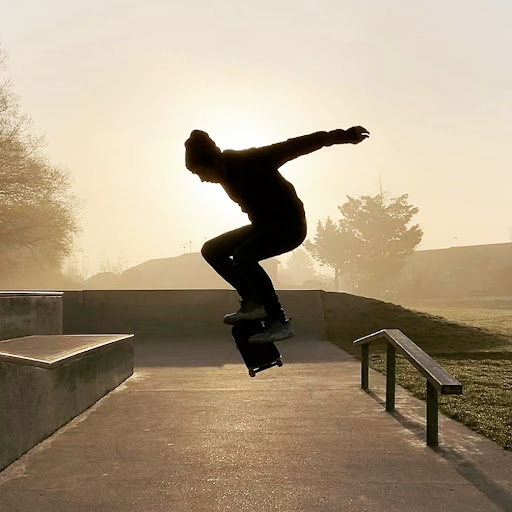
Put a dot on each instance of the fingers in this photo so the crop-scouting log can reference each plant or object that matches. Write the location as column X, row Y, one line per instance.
column 362, row 134
column 354, row 135
column 362, row 131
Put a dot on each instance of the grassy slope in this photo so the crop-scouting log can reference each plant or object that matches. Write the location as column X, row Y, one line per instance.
column 480, row 359
column 349, row 317
column 494, row 315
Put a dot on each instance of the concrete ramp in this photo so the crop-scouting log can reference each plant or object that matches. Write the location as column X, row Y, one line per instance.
column 181, row 314
column 307, row 313
column 174, row 321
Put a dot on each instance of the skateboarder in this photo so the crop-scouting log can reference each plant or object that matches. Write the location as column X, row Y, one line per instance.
column 278, row 223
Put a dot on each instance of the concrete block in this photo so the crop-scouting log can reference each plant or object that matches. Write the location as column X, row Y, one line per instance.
column 45, row 381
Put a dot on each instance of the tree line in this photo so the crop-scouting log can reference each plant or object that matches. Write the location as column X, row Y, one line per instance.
column 38, row 212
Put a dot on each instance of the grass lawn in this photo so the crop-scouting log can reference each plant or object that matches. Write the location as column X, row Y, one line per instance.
column 472, row 340
column 494, row 315
column 486, row 403
column 497, row 320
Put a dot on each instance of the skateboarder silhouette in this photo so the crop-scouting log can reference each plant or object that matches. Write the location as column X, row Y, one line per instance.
column 278, row 224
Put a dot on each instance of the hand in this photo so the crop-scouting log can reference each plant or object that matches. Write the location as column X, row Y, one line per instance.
column 353, row 135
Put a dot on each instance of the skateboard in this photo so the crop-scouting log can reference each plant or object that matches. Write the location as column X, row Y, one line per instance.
column 257, row 357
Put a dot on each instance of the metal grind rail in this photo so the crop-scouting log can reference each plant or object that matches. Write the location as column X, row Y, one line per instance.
column 438, row 380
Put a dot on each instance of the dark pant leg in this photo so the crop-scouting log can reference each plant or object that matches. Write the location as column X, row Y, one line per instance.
column 266, row 241
column 218, row 253
column 235, row 256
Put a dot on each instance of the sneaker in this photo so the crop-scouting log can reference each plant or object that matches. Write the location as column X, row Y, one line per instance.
column 248, row 311
column 274, row 332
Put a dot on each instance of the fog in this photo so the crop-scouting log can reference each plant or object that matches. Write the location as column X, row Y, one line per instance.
column 116, row 87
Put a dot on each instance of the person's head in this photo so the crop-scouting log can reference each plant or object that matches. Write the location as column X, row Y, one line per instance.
column 203, row 157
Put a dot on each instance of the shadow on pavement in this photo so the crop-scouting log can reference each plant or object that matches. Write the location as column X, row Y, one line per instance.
column 463, row 465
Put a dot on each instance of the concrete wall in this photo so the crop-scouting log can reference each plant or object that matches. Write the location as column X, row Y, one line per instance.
column 178, row 314
column 26, row 313
column 182, row 313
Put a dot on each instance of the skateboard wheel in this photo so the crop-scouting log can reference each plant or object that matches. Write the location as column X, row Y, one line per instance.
column 252, row 373
column 279, row 362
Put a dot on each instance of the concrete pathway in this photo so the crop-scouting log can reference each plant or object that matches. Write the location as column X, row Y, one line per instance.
column 190, row 431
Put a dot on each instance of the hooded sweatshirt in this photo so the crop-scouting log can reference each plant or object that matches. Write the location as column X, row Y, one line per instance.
column 253, row 181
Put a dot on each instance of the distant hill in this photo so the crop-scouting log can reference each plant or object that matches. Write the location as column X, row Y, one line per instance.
column 185, row 271
column 479, row 270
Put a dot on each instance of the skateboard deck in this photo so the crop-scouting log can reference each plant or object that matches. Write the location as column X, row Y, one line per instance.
column 257, row 357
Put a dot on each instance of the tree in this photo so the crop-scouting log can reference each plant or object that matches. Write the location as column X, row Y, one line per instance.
column 370, row 243
column 299, row 269
column 333, row 247
column 37, row 209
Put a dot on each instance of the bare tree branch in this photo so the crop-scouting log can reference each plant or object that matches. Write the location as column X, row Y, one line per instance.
column 37, row 208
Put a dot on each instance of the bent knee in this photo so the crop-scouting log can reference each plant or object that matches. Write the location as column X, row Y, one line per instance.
column 208, row 250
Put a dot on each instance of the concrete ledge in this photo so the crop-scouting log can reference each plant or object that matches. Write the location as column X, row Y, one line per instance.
column 45, row 381
column 50, row 351
column 24, row 313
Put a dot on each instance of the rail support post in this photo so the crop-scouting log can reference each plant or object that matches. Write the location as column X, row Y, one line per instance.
column 390, row 377
column 364, row 366
column 438, row 381
column 432, row 416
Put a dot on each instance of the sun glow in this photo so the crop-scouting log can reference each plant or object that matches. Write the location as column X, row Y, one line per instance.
column 218, row 213
column 228, row 133
column 237, row 134
column 219, row 208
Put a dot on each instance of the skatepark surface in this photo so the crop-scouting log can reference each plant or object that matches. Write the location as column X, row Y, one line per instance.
column 190, row 431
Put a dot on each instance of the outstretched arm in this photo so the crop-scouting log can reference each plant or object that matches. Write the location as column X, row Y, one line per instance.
column 282, row 152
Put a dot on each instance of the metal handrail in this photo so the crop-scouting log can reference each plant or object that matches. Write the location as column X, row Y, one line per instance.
column 438, row 380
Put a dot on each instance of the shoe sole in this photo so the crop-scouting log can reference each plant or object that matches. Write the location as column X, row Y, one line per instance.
column 234, row 321
column 261, row 342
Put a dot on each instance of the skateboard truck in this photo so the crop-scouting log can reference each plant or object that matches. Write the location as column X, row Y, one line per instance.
column 253, row 371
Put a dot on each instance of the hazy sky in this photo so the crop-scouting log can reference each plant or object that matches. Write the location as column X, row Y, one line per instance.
column 117, row 86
